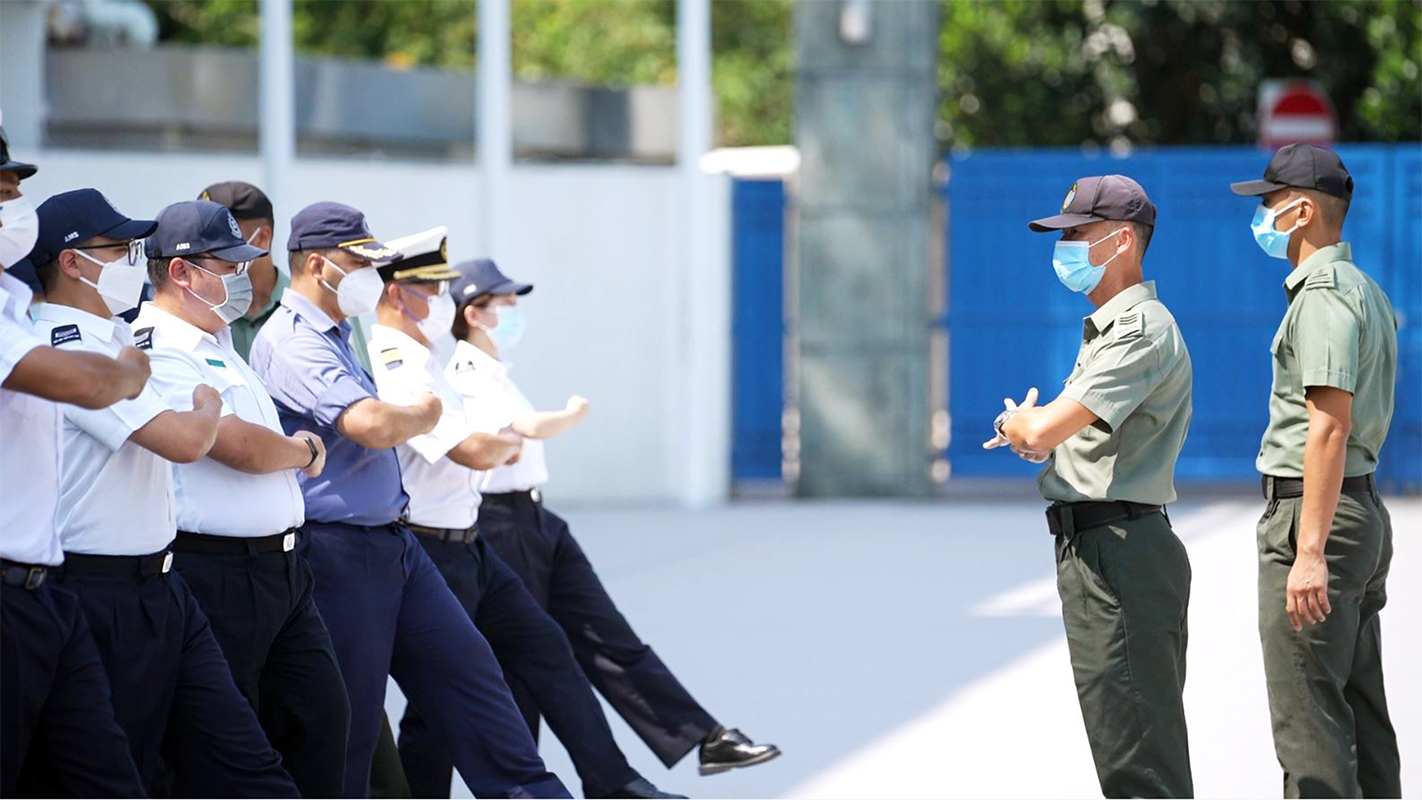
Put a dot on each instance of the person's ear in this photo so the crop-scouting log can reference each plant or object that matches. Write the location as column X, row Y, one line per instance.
column 264, row 237
column 395, row 296
column 316, row 266
column 1308, row 211
column 471, row 316
column 69, row 264
column 180, row 273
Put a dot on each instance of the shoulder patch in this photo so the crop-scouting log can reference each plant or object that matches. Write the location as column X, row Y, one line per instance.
column 143, row 338
column 391, row 357
column 1130, row 324
column 64, row 333
column 1322, row 279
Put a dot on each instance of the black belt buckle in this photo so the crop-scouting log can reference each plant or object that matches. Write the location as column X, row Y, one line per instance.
column 1054, row 519
column 28, row 577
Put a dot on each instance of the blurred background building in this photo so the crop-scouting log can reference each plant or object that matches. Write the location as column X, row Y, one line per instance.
column 780, row 246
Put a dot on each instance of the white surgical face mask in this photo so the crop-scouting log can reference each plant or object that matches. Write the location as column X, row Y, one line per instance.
column 437, row 323
column 120, row 283
column 359, row 291
column 237, row 297
column 19, row 227
column 510, row 329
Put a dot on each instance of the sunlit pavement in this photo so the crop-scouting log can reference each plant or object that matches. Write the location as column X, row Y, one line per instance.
column 898, row 649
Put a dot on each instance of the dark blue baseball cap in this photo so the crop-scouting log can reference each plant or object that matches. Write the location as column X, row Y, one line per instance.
column 195, row 227
column 69, row 218
column 321, row 226
column 480, row 278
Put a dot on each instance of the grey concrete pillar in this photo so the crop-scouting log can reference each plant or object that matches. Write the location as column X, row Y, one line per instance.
column 864, row 111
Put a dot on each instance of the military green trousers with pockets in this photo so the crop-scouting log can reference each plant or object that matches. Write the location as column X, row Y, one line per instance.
column 1331, row 728
column 1125, row 588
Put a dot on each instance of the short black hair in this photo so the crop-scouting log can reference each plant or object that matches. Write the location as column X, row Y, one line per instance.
column 1332, row 208
column 158, row 271
column 48, row 273
column 1142, row 232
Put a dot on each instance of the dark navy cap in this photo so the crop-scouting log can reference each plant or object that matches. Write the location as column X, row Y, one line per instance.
column 1301, row 166
column 1097, row 199
column 480, row 278
column 69, row 218
column 244, row 200
column 7, row 165
column 325, row 225
column 194, row 227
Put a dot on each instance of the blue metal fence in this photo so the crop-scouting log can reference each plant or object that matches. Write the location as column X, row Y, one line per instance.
column 1012, row 326
column 758, row 351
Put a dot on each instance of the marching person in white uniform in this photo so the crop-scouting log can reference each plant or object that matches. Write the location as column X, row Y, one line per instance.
column 239, row 507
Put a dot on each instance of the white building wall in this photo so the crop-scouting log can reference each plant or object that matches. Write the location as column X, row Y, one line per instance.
column 600, row 243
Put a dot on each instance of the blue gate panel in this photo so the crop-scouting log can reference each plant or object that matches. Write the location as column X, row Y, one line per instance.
column 1012, row 326
column 758, row 343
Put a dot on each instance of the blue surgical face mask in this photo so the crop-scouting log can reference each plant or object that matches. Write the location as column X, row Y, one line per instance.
column 1073, row 264
column 1275, row 243
column 510, row 328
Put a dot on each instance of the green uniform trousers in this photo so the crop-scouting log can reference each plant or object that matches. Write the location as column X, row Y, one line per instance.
column 1331, row 728
column 1125, row 589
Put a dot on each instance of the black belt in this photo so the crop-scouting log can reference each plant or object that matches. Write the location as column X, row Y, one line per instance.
column 28, row 576
column 136, row 566
column 445, row 534
column 1067, row 518
column 188, row 542
column 1286, row 488
column 532, row 495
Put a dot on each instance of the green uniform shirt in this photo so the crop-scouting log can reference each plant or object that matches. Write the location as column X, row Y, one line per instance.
column 1339, row 331
column 1134, row 373
column 244, row 330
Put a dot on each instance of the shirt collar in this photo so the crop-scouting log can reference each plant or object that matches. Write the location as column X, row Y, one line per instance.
column 309, row 311
column 1320, row 259
column 98, row 327
column 481, row 359
column 182, row 333
column 1129, row 298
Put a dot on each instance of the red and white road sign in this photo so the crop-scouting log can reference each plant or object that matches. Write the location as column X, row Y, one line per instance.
column 1293, row 111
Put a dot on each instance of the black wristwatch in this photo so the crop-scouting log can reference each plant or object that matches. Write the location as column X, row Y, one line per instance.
column 314, row 452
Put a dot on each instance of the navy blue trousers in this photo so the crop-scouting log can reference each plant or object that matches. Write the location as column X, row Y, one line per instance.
column 265, row 620
column 57, row 720
column 532, row 649
column 537, row 544
column 172, row 689
column 390, row 613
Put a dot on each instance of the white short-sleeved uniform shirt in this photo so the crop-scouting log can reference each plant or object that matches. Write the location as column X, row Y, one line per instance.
column 491, row 402
column 29, row 444
column 443, row 494
column 213, row 498
column 115, row 498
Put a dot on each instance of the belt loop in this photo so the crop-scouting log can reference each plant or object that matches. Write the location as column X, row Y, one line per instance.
column 1068, row 521
column 1266, row 483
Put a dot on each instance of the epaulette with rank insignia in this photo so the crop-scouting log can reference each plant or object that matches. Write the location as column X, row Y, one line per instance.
column 143, row 338
column 391, row 358
column 1322, row 279
column 64, row 333
column 1130, row 324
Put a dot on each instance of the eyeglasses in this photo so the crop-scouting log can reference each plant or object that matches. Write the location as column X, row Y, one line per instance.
column 239, row 267
column 134, row 247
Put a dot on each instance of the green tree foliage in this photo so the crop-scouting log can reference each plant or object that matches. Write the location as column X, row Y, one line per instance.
column 1012, row 72
column 1171, row 71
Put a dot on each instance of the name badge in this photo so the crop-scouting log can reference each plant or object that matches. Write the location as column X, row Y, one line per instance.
column 167, row 561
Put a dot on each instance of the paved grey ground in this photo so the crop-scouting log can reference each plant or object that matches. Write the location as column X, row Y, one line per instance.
column 900, row 649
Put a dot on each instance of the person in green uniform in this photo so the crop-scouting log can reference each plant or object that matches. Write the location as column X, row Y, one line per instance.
column 1325, row 542
column 253, row 212
column 1110, row 441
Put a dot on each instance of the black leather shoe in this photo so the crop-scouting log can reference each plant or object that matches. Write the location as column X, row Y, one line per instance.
column 724, row 750
column 643, row 788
